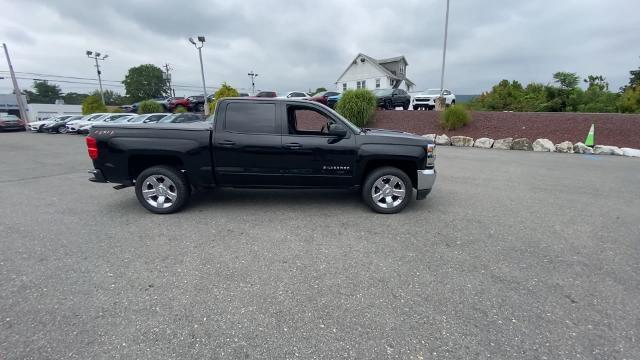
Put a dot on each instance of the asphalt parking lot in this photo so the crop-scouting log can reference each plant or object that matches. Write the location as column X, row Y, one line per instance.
column 514, row 255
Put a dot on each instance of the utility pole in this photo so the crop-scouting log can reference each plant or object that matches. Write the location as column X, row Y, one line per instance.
column 167, row 75
column 16, row 89
column 96, row 57
column 253, row 76
column 441, row 101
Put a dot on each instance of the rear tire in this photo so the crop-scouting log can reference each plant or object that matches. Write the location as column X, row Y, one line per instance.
column 405, row 106
column 387, row 190
column 162, row 189
column 416, row 107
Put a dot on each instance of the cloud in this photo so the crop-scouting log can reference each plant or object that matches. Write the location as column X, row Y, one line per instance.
column 297, row 45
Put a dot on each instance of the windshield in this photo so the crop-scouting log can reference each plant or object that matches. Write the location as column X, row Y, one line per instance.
column 9, row 117
column 381, row 92
column 98, row 117
column 432, row 92
column 169, row 118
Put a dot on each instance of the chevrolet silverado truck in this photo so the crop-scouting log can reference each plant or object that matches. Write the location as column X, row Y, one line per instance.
column 262, row 143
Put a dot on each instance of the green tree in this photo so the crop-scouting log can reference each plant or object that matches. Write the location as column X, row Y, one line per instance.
column 358, row 106
column 596, row 81
column 566, row 80
column 44, row 93
column 111, row 97
column 145, row 82
column 223, row 92
column 93, row 104
column 73, row 98
column 629, row 101
column 634, row 80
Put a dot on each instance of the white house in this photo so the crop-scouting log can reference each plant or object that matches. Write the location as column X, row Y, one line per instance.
column 369, row 73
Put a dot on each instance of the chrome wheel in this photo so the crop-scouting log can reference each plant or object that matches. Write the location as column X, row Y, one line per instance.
column 62, row 130
column 388, row 191
column 159, row 191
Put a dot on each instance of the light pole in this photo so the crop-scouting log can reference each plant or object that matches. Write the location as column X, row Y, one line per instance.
column 441, row 100
column 204, row 87
column 96, row 56
column 253, row 82
column 16, row 89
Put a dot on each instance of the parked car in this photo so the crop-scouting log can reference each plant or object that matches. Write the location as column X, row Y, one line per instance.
column 257, row 146
column 427, row 99
column 182, row 118
column 111, row 118
column 296, row 95
column 37, row 126
column 75, row 125
column 148, row 118
column 322, row 97
column 11, row 122
column 389, row 99
column 267, row 94
column 333, row 100
column 60, row 125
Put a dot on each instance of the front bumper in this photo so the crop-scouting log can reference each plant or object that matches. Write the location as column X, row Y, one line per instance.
column 426, row 179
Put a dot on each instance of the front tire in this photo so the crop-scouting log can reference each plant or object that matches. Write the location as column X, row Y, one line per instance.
column 405, row 106
column 387, row 190
column 162, row 189
column 62, row 130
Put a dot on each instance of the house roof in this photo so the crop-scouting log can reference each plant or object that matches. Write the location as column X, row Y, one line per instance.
column 393, row 59
column 376, row 63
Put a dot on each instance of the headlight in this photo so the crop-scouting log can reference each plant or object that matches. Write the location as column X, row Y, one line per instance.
column 431, row 155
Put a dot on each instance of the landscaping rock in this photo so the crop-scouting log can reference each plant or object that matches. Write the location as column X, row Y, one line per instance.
column 484, row 143
column 544, row 145
column 631, row 152
column 607, row 150
column 503, row 144
column 521, row 144
column 564, row 147
column 443, row 140
column 431, row 137
column 461, row 141
column 581, row 148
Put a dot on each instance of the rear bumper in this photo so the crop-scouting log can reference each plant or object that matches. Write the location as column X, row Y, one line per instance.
column 426, row 179
column 97, row 176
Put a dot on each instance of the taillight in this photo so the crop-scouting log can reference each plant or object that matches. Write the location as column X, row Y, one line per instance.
column 92, row 147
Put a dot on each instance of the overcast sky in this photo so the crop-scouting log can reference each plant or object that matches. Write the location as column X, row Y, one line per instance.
column 298, row 45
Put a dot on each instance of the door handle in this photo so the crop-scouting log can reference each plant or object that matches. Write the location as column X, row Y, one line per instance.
column 226, row 143
column 293, row 146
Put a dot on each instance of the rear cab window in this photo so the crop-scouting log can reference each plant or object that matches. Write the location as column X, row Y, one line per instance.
column 252, row 118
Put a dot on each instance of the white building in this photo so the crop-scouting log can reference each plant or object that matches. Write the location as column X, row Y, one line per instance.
column 369, row 73
column 38, row 112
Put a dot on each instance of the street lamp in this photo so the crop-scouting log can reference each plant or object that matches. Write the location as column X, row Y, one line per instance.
column 253, row 83
column 204, row 87
column 96, row 56
column 441, row 104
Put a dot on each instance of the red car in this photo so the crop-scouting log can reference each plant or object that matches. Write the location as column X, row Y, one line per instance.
column 11, row 122
column 321, row 97
column 173, row 105
column 266, row 94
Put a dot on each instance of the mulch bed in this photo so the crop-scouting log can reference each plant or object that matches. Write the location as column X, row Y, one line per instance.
column 622, row 130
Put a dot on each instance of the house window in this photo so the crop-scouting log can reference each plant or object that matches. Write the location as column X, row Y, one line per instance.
column 357, row 84
column 377, row 83
column 344, row 86
column 364, row 84
column 401, row 68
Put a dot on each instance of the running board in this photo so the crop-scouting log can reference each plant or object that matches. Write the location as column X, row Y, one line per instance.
column 121, row 186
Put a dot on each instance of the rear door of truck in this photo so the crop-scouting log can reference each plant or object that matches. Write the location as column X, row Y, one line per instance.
column 247, row 143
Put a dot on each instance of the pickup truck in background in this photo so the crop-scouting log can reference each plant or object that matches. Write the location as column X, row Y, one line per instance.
column 262, row 143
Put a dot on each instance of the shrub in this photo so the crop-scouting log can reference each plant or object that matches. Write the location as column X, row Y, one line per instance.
column 149, row 106
column 358, row 106
column 116, row 110
column 180, row 109
column 93, row 104
column 455, row 117
column 225, row 91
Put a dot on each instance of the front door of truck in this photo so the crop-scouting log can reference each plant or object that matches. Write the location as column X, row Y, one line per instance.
column 247, row 144
column 312, row 157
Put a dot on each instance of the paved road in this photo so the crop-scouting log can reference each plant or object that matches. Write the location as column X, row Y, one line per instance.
column 514, row 255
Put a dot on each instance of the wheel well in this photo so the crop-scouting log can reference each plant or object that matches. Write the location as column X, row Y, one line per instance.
column 138, row 163
column 409, row 167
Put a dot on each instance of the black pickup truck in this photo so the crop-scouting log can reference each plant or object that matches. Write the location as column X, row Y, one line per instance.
column 262, row 143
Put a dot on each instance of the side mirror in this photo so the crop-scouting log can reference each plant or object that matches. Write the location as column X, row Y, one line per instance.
column 337, row 130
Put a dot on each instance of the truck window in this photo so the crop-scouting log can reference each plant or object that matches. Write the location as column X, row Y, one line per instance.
column 251, row 118
column 303, row 120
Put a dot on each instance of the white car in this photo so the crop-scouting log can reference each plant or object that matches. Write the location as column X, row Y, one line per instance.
column 110, row 118
column 74, row 126
column 37, row 126
column 148, row 118
column 296, row 95
column 427, row 99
